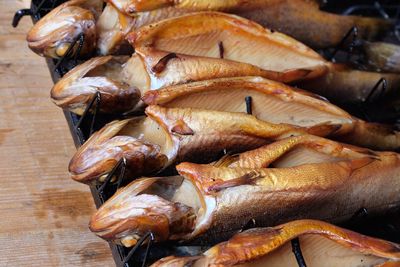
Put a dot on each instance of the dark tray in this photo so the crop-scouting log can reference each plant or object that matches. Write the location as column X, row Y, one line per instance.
column 386, row 227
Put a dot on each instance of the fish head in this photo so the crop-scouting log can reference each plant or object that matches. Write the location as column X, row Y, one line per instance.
column 97, row 75
column 137, row 210
column 100, row 154
column 55, row 33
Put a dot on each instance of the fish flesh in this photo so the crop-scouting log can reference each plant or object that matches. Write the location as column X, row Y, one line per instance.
column 275, row 102
column 148, row 69
column 53, row 35
column 295, row 178
column 219, row 35
column 301, row 19
column 321, row 245
column 120, row 17
column 112, row 27
column 165, row 136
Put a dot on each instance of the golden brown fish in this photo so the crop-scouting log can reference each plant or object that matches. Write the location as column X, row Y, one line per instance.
column 300, row 19
column 311, row 178
column 275, row 102
column 57, row 31
column 219, row 35
column 321, row 245
column 175, row 135
column 230, row 37
column 344, row 85
column 100, row 74
column 148, row 69
column 294, row 18
column 382, row 56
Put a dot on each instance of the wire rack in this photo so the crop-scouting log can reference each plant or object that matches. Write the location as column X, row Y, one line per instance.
column 81, row 127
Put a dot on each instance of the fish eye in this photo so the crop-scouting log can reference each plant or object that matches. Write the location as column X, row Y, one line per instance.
column 62, row 49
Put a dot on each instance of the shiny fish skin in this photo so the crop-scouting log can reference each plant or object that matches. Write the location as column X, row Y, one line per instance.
column 191, row 35
column 322, row 244
column 294, row 178
column 275, row 103
column 100, row 74
column 118, row 81
column 381, row 56
column 118, row 18
column 328, row 191
column 52, row 35
column 300, row 19
column 344, row 85
column 174, row 135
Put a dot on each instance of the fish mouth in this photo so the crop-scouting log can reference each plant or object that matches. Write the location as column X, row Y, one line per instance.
column 101, row 75
column 157, row 205
column 53, row 35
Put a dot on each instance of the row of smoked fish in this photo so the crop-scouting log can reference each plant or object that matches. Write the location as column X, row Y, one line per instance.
column 226, row 118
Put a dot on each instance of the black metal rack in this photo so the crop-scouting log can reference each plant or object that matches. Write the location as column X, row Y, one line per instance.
column 387, row 227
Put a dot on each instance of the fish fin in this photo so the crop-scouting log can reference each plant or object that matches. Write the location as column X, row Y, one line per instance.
column 247, row 178
column 182, row 128
column 324, row 129
column 225, row 160
column 293, row 75
column 360, row 163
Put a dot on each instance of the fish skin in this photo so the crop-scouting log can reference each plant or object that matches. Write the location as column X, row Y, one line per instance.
column 210, row 133
column 118, row 219
column 333, row 190
column 317, row 191
column 374, row 135
column 259, row 242
column 344, row 85
column 384, row 57
column 228, row 27
column 105, row 148
column 291, row 17
column 304, row 21
column 77, row 88
column 300, row 19
column 170, row 96
column 352, row 130
column 189, row 34
column 186, row 68
column 262, row 157
column 73, row 18
column 134, row 7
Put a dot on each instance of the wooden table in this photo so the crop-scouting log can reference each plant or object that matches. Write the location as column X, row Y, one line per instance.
column 44, row 214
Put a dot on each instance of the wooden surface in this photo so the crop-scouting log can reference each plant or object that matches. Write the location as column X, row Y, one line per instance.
column 44, row 214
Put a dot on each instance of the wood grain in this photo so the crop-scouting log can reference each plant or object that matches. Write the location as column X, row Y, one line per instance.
column 44, row 214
